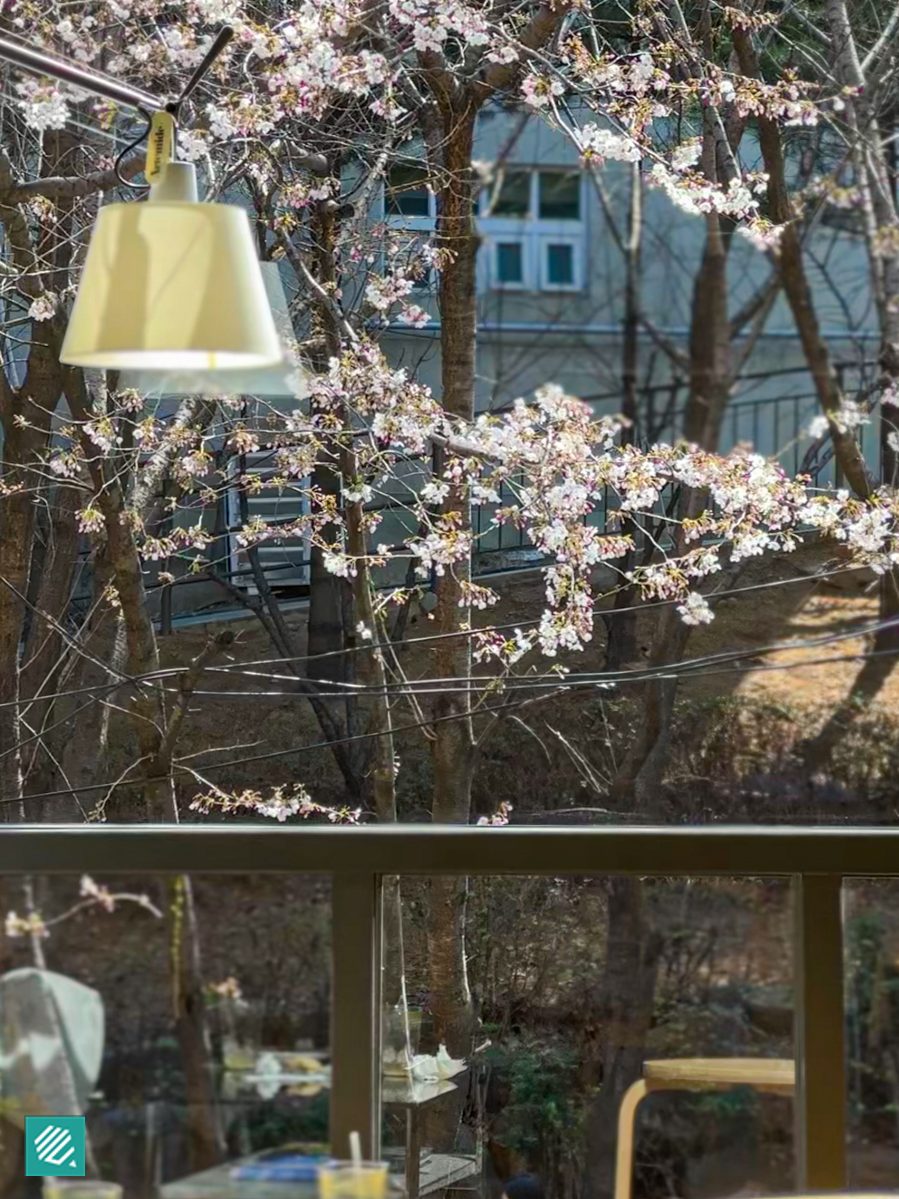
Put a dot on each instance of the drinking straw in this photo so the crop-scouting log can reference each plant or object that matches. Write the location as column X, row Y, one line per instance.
column 356, row 1151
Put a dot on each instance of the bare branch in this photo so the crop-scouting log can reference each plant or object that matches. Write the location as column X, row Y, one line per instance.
column 59, row 187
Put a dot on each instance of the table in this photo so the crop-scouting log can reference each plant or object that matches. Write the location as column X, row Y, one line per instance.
column 439, row 1171
column 217, row 1183
column 771, row 1076
column 415, row 1096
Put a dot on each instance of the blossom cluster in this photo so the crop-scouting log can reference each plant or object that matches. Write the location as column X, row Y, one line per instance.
column 546, row 467
column 32, row 925
column 92, row 894
column 278, row 804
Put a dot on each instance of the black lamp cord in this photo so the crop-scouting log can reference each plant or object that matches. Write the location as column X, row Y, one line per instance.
column 117, row 165
column 223, row 37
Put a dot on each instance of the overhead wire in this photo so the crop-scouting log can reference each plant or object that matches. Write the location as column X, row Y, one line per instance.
column 499, row 709
column 242, row 667
column 477, row 684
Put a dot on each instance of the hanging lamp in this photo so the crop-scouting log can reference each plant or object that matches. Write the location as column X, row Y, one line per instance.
column 169, row 284
column 286, row 380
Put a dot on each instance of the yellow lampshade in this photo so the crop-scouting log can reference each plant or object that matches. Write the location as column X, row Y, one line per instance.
column 171, row 285
column 287, row 380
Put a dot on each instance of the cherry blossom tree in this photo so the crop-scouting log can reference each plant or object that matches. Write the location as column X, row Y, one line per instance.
column 301, row 121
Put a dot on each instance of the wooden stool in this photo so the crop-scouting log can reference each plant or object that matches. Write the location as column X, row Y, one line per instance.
column 771, row 1076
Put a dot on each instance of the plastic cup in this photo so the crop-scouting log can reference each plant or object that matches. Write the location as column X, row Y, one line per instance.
column 80, row 1188
column 352, row 1180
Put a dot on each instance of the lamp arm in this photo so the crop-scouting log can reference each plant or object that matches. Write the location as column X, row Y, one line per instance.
column 222, row 38
column 39, row 63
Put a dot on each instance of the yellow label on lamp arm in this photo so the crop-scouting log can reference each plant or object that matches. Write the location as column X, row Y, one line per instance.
column 160, row 146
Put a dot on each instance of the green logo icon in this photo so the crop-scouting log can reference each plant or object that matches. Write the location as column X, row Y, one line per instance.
column 54, row 1146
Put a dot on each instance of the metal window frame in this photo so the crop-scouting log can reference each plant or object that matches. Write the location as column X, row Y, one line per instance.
column 495, row 243
column 575, row 242
column 816, row 859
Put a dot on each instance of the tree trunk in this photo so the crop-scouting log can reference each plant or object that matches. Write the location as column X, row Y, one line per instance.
column 332, row 619
column 15, row 560
column 453, row 742
column 85, row 753
column 144, row 701
column 796, row 286
column 625, row 1012
column 710, row 347
column 206, row 1145
column 881, row 221
column 44, row 652
column 621, row 623
column 452, row 747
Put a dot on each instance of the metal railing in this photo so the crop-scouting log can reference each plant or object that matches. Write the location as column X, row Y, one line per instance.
column 817, row 860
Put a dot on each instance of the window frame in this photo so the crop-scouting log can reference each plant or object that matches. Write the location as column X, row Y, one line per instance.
column 544, row 241
column 534, row 232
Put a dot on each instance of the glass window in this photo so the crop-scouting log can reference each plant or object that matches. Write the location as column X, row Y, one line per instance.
column 560, row 264
column 509, row 262
column 872, row 1029
column 705, row 973
column 514, row 196
column 560, row 196
column 240, row 1066
column 407, row 193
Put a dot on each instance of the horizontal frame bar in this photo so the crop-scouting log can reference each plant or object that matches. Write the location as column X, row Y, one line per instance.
column 449, row 849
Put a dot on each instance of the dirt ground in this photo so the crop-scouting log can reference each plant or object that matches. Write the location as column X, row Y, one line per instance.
column 804, row 608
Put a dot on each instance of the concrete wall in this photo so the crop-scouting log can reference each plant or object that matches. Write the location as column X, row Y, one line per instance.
column 574, row 338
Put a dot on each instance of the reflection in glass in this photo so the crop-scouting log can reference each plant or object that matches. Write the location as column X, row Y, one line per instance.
column 513, row 198
column 560, row 196
column 871, row 945
column 588, row 995
column 98, row 1028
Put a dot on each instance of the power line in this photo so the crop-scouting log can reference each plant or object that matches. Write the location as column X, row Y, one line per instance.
column 484, row 684
column 500, row 709
column 337, row 689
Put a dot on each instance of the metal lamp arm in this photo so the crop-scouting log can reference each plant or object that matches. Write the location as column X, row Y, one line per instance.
column 37, row 62
column 222, row 38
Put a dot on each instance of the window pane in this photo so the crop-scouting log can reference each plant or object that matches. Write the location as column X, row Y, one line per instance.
column 407, row 193
column 509, row 264
column 241, row 1064
column 574, row 981
column 514, row 198
column 560, row 195
column 560, row 265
